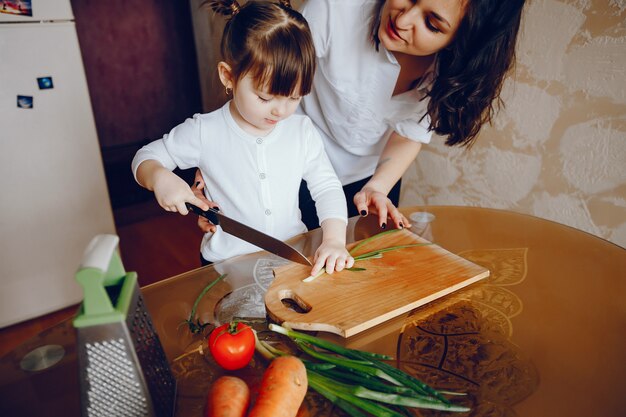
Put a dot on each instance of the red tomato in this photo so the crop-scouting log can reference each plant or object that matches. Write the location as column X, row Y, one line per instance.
column 232, row 345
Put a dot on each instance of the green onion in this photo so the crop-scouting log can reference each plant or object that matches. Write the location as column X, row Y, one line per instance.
column 406, row 379
column 368, row 406
column 324, row 344
column 378, row 253
column 366, row 381
column 375, row 254
column 197, row 326
column 394, row 399
column 369, row 239
column 348, row 364
column 339, row 402
column 365, row 385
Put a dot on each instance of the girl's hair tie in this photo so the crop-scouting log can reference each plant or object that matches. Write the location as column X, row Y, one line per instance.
column 228, row 8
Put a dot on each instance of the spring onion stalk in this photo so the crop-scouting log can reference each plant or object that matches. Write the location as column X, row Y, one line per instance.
column 375, row 254
column 197, row 327
column 341, row 403
column 366, row 405
column 366, row 381
column 397, row 399
column 312, row 277
column 262, row 348
column 369, row 239
column 378, row 253
column 365, row 387
column 407, row 380
column 394, row 399
column 396, row 374
column 324, row 344
column 348, row 364
column 390, row 373
column 317, row 366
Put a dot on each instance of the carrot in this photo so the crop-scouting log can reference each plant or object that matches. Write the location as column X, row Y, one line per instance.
column 229, row 396
column 282, row 389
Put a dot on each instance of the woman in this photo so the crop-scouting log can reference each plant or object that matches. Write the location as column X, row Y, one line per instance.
column 391, row 72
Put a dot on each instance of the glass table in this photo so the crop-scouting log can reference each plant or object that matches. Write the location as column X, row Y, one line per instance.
column 544, row 334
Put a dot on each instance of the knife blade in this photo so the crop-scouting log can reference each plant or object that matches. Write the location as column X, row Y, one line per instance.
column 251, row 235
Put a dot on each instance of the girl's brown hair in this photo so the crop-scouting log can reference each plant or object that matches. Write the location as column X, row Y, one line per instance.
column 271, row 41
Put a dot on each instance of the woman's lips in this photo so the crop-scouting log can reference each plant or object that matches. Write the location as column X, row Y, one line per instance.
column 391, row 31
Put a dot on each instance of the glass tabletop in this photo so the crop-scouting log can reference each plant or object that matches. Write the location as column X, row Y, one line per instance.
column 544, row 334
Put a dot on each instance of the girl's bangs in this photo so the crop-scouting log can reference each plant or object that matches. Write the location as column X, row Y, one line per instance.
column 283, row 69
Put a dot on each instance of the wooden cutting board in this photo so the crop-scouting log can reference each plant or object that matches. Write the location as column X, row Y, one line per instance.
column 349, row 302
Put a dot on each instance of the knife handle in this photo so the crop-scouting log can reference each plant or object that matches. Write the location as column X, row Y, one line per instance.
column 210, row 214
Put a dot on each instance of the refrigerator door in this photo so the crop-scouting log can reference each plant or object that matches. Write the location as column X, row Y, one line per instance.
column 42, row 10
column 53, row 191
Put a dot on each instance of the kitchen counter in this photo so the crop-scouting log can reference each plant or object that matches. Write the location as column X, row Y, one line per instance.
column 545, row 334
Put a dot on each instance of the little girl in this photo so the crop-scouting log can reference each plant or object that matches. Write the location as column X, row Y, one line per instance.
column 253, row 152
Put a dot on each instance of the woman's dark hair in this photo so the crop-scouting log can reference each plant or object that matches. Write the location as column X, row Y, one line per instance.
column 471, row 70
column 271, row 41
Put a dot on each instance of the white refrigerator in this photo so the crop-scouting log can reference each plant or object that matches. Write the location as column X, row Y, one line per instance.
column 53, row 194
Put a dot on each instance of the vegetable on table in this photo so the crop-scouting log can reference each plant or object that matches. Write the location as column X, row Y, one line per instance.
column 232, row 345
column 375, row 254
column 197, row 326
column 282, row 389
column 359, row 382
column 229, row 396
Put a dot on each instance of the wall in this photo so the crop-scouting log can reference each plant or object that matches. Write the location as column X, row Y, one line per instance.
column 558, row 149
column 141, row 69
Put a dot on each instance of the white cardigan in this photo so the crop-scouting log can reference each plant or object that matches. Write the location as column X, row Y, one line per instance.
column 254, row 180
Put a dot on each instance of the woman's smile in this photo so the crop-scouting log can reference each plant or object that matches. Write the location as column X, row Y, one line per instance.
column 392, row 32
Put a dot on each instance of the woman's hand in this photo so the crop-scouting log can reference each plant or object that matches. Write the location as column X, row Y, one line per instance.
column 198, row 185
column 369, row 201
column 332, row 253
column 397, row 156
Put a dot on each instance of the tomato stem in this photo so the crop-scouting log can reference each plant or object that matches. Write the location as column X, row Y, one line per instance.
column 232, row 327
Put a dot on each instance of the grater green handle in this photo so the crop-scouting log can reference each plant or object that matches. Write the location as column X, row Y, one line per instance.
column 102, row 274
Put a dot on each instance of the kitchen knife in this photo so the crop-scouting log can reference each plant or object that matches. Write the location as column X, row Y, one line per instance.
column 247, row 233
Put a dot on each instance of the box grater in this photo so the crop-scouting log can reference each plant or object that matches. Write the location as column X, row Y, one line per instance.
column 123, row 369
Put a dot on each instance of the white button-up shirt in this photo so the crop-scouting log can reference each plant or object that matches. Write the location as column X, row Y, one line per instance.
column 254, row 180
column 351, row 103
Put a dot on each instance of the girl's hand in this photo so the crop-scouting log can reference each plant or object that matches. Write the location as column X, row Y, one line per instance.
column 333, row 255
column 369, row 201
column 198, row 185
column 172, row 192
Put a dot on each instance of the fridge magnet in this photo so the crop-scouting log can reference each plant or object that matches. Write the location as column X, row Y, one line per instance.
column 21, row 7
column 45, row 83
column 25, row 102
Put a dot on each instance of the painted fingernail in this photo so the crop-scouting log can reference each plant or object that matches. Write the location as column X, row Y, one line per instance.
column 363, row 213
column 401, row 225
column 383, row 226
column 197, row 183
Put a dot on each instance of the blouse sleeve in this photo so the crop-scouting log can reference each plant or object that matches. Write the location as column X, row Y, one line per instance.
column 181, row 147
column 415, row 129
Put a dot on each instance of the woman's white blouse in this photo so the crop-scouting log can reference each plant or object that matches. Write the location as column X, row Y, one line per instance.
column 351, row 103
